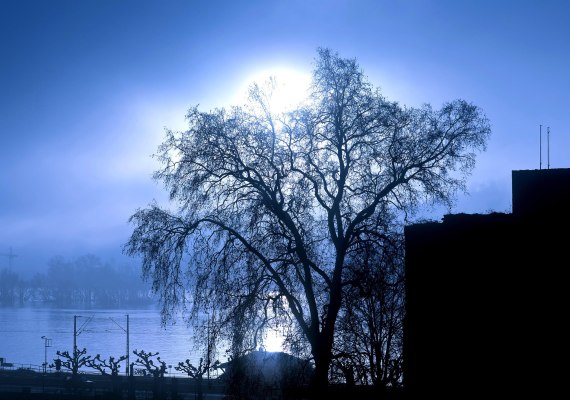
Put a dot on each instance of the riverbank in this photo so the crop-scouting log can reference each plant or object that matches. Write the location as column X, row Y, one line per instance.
column 33, row 335
column 30, row 385
column 27, row 384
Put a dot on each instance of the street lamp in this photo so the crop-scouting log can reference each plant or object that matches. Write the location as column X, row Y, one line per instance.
column 47, row 343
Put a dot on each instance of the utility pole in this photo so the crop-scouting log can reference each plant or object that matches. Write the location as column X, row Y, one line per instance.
column 74, row 335
column 75, row 356
column 127, row 332
column 127, row 365
column 10, row 256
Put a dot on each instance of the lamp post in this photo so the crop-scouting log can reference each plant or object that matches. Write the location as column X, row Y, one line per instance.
column 47, row 343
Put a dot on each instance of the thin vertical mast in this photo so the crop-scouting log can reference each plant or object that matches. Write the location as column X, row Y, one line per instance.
column 540, row 146
column 548, row 146
column 127, row 368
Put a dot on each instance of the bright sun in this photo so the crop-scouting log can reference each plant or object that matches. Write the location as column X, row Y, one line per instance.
column 273, row 341
column 291, row 87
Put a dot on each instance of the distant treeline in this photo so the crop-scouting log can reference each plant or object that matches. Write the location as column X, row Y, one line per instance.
column 85, row 281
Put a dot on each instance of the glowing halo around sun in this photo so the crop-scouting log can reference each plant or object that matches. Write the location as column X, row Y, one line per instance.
column 291, row 87
column 273, row 341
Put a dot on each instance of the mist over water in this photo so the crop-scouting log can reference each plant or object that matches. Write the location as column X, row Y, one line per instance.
column 100, row 331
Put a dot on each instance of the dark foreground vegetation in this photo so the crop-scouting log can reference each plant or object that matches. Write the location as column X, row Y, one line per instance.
column 26, row 384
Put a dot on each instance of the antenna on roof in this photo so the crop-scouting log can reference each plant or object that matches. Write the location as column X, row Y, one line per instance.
column 548, row 146
column 540, row 146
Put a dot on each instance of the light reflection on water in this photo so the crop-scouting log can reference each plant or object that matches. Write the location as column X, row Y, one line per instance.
column 101, row 331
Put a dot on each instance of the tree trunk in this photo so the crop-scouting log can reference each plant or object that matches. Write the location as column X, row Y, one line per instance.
column 321, row 379
column 322, row 350
column 323, row 345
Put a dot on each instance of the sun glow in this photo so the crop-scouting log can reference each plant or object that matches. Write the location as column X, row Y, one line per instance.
column 291, row 87
column 273, row 341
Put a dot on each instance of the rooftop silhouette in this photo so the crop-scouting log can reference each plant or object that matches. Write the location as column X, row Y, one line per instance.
column 485, row 295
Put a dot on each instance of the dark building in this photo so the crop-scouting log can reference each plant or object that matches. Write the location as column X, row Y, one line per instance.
column 487, row 297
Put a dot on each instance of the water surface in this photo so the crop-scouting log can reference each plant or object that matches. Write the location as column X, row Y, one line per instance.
column 101, row 331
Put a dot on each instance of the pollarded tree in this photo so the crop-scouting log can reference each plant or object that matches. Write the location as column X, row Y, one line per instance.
column 74, row 361
column 269, row 207
column 105, row 367
column 157, row 370
column 146, row 361
column 109, row 368
column 198, row 372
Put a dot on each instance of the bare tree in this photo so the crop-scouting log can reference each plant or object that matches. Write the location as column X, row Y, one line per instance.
column 269, row 208
column 105, row 367
column 197, row 372
column 156, row 368
column 9, row 282
column 369, row 344
column 73, row 362
column 109, row 368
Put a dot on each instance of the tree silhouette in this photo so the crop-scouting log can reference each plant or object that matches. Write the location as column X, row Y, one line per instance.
column 73, row 362
column 105, row 367
column 9, row 282
column 109, row 368
column 271, row 207
column 369, row 348
column 197, row 372
column 146, row 361
column 156, row 368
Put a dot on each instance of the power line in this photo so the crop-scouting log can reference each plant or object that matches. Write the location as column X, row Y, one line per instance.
column 10, row 256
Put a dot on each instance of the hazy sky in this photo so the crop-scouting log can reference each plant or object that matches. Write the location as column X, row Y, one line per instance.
column 87, row 87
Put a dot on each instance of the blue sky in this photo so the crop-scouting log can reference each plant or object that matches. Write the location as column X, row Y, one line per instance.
column 87, row 87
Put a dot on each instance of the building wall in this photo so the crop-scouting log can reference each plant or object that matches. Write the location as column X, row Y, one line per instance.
column 541, row 193
column 485, row 301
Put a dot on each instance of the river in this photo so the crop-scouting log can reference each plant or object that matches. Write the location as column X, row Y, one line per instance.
column 100, row 331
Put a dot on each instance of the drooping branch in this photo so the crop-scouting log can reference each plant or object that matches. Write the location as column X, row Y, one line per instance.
column 271, row 211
